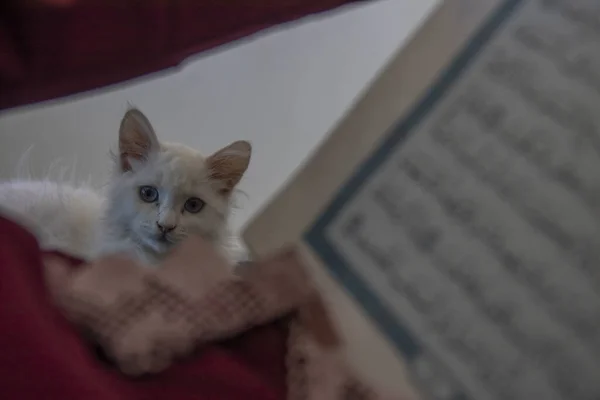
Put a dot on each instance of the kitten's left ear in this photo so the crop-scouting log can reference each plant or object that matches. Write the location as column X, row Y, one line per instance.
column 229, row 164
column 137, row 139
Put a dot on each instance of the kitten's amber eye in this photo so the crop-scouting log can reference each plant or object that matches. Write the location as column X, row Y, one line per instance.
column 149, row 194
column 193, row 205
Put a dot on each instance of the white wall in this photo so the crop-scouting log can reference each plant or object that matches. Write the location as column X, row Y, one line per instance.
column 282, row 91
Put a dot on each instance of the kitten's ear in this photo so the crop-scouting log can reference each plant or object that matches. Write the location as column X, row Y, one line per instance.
column 227, row 166
column 137, row 139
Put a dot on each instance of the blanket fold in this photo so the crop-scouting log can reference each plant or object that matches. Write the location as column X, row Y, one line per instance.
column 54, row 48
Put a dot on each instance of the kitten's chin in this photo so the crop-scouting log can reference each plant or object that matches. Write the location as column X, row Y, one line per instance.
column 156, row 245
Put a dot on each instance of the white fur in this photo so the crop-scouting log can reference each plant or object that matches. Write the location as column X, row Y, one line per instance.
column 89, row 223
column 63, row 217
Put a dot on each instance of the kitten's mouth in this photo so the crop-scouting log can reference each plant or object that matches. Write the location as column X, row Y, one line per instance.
column 159, row 244
column 164, row 239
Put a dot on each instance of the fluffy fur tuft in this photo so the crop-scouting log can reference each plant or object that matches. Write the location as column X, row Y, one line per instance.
column 159, row 194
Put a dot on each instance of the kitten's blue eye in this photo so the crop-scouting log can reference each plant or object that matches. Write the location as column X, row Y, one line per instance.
column 149, row 194
column 193, row 205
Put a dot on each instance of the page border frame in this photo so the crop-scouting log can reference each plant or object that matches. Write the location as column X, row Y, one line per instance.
column 315, row 236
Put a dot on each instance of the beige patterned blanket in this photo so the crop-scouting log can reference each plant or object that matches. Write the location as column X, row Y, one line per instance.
column 145, row 319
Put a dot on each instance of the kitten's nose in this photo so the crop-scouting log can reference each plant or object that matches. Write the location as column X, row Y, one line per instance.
column 165, row 228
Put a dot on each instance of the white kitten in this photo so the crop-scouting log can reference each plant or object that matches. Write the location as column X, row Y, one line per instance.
column 160, row 193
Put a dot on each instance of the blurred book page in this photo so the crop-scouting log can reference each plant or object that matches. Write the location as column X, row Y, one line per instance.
column 457, row 236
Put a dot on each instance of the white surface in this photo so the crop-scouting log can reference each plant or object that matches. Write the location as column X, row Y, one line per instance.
column 282, row 91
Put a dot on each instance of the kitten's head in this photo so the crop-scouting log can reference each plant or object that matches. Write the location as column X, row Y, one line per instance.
column 165, row 192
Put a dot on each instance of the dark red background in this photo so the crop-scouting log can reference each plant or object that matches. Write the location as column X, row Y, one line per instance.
column 53, row 48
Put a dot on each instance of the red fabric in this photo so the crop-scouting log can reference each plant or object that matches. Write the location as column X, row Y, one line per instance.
column 52, row 48
column 43, row 357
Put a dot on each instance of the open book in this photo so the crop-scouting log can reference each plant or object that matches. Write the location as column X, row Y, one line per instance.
column 452, row 220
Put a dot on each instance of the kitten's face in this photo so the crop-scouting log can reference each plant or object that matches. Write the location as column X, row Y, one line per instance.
column 165, row 192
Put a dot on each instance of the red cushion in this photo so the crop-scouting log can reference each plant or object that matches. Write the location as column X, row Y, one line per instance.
column 43, row 357
column 51, row 48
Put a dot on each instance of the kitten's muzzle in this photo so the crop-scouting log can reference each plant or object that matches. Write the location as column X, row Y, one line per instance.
column 164, row 229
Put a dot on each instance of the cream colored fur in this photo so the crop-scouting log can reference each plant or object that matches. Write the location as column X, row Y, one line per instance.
column 63, row 217
column 89, row 223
